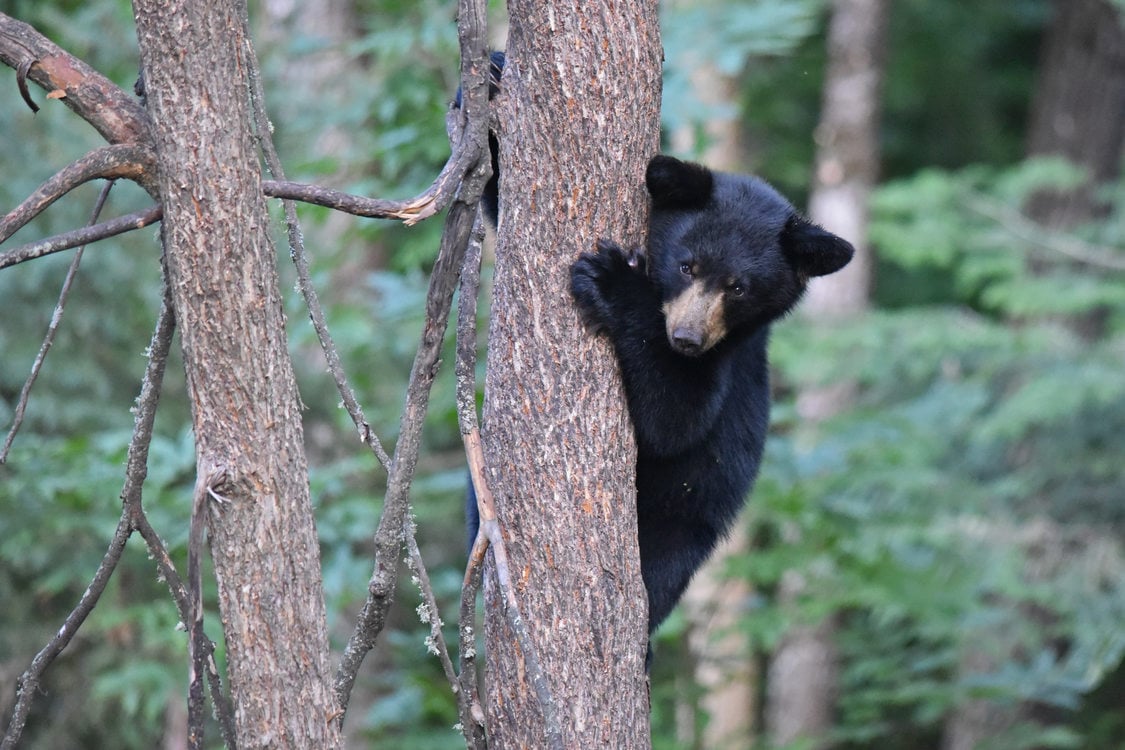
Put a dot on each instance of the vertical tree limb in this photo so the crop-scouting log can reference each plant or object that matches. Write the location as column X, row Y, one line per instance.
column 439, row 297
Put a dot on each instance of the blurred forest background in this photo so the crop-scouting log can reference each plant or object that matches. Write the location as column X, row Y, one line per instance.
column 955, row 521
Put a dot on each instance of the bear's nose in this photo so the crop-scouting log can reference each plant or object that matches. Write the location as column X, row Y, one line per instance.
column 687, row 341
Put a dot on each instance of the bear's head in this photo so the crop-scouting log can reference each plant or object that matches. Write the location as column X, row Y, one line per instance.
column 728, row 253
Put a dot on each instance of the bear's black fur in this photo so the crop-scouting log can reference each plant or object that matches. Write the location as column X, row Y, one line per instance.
column 689, row 318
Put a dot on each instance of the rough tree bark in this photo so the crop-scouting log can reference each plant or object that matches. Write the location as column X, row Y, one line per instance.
column 802, row 675
column 245, row 408
column 579, row 119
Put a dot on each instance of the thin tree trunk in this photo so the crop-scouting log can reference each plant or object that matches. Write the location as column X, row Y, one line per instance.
column 579, row 118
column 803, row 673
column 245, row 408
column 725, row 669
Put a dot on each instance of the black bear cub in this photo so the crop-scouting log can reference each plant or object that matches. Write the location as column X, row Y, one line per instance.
column 688, row 316
column 689, row 319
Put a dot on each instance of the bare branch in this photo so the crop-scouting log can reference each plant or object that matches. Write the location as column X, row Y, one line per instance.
column 28, row 684
column 136, row 469
column 130, row 494
column 1036, row 234
column 455, row 237
column 21, row 83
column 56, row 319
column 388, row 536
column 113, row 112
column 110, row 162
column 410, row 211
column 429, row 611
column 205, row 489
column 470, row 711
column 468, row 702
column 304, row 277
column 84, row 236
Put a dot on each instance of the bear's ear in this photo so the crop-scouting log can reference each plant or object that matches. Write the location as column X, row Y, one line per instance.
column 678, row 184
column 813, row 251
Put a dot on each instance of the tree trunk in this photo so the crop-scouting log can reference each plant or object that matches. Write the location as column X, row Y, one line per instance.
column 725, row 669
column 579, row 118
column 245, row 409
column 1079, row 105
column 803, row 673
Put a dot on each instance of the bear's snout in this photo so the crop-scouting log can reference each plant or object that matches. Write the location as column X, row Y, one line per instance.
column 694, row 320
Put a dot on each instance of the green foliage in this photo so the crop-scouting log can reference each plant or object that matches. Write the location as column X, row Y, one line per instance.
column 966, row 229
column 956, row 91
column 957, row 514
column 735, row 33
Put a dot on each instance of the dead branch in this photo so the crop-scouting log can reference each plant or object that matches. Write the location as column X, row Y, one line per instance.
column 83, row 236
column 27, row 687
column 205, row 490
column 470, row 712
column 304, row 278
column 491, row 536
column 410, row 211
column 388, row 536
column 136, row 469
column 1030, row 231
column 113, row 112
column 428, row 611
column 110, row 162
column 443, row 281
column 52, row 328
column 132, row 518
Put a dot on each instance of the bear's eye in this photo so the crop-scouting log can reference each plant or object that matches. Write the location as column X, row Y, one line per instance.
column 685, row 269
column 736, row 289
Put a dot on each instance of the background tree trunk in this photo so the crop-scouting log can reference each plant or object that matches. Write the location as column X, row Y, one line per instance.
column 803, row 672
column 246, row 415
column 1078, row 110
column 579, row 119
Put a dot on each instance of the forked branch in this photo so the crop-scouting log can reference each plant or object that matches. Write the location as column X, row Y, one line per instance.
column 108, row 162
column 132, row 518
column 49, row 338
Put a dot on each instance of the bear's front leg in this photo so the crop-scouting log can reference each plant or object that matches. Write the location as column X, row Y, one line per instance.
column 611, row 285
